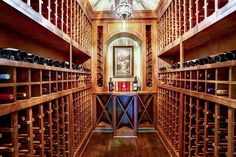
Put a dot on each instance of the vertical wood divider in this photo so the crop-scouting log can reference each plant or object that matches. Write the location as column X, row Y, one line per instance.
column 15, row 142
column 30, row 131
column 181, row 129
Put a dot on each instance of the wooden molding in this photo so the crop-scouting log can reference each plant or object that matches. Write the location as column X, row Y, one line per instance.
column 138, row 14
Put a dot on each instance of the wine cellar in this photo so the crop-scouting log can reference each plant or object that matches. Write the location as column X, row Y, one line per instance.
column 117, row 78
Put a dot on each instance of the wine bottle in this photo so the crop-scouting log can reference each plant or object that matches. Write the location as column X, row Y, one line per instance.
column 5, row 76
column 33, row 58
column 64, row 64
column 135, row 84
column 18, row 55
column 222, row 92
column 200, row 88
column 44, row 90
column 197, row 62
column 211, row 90
column 50, row 62
column 230, row 56
column 163, row 69
column 219, row 58
column 202, row 61
column 79, row 67
column 149, row 83
column 210, row 60
column 4, row 53
column 100, row 81
column 46, row 75
column 187, row 86
column 191, row 63
column 210, row 76
column 21, row 95
column 43, row 61
column 55, row 63
column 6, row 98
column 201, row 75
column 186, row 64
column 74, row 66
column 139, row 85
column 111, row 85
column 187, row 75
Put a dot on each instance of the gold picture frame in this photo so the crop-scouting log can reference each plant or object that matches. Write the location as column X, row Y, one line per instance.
column 123, row 58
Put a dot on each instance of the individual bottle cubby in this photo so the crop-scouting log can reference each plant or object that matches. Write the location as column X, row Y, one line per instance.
column 7, row 74
column 223, row 74
column 22, row 75
column 59, row 75
column 45, row 89
column 65, row 75
column 222, row 90
column 7, row 95
column 65, row 85
column 210, row 88
column 22, row 92
column 53, row 75
column 201, row 87
column 35, row 75
column 46, row 75
column 194, row 75
column 201, row 75
column 60, row 86
column 35, row 90
column 194, row 86
column 211, row 74
column 54, row 87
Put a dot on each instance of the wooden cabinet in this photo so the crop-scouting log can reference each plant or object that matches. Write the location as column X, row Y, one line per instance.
column 124, row 113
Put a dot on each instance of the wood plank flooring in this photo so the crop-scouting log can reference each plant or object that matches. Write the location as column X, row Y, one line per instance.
column 145, row 145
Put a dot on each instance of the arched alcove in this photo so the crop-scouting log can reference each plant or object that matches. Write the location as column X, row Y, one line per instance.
column 124, row 39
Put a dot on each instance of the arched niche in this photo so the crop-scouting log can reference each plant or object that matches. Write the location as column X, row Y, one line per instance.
column 124, row 39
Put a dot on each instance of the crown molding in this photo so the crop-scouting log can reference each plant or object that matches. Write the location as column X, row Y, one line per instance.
column 137, row 15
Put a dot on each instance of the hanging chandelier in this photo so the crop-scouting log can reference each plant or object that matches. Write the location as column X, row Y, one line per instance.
column 124, row 10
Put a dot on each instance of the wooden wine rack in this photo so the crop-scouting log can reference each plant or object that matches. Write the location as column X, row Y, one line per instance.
column 40, row 124
column 149, row 55
column 68, row 18
column 82, row 118
column 208, row 119
column 186, row 18
column 100, row 55
column 169, row 116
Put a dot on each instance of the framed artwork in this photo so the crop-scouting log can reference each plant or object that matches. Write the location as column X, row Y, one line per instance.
column 123, row 58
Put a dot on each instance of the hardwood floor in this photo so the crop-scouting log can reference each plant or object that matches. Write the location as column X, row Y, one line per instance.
column 145, row 145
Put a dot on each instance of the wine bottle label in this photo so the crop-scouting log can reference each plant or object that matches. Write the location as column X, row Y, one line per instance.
column 5, row 76
column 222, row 92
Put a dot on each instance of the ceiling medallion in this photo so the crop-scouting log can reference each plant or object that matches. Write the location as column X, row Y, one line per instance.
column 124, row 10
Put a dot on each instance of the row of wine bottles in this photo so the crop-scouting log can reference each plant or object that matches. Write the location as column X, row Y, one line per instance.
column 201, row 88
column 20, row 55
column 227, row 56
